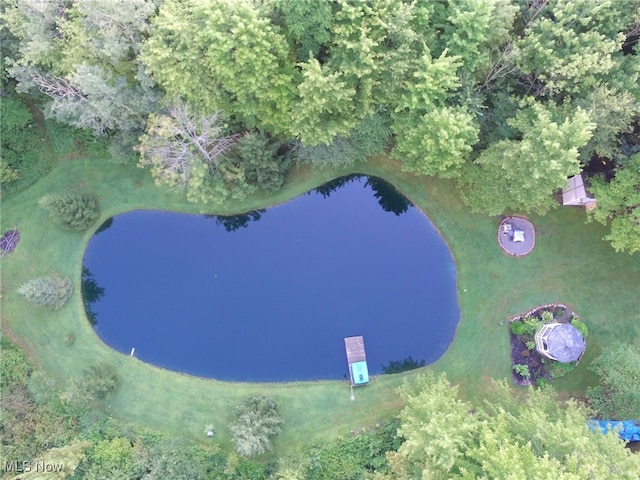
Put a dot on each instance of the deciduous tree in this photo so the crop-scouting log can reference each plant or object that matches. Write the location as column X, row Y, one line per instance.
column 503, row 438
column 257, row 421
column 618, row 205
column 617, row 396
column 523, row 174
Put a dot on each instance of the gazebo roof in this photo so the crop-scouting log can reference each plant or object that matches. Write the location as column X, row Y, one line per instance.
column 564, row 342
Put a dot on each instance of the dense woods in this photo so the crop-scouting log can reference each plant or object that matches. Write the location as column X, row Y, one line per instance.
column 219, row 98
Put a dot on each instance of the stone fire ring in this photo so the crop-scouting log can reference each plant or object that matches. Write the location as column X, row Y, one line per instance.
column 516, row 236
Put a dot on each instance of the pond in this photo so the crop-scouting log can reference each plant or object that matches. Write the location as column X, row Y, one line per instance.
column 270, row 295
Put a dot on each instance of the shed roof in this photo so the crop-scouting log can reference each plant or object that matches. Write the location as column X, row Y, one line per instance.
column 574, row 192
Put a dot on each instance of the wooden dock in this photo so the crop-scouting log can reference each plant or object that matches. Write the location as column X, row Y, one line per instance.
column 357, row 359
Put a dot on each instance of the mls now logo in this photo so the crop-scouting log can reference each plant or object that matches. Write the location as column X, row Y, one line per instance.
column 18, row 466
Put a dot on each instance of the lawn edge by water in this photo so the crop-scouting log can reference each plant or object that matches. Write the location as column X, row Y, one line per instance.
column 491, row 288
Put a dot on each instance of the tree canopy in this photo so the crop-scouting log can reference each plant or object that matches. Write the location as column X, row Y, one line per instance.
column 447, row 438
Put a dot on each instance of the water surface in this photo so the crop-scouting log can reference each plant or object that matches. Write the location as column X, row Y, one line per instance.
column 270, row 296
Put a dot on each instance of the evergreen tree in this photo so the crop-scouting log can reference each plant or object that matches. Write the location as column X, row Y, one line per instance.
column 51, row 291
column 257, row 155
column 76, row 211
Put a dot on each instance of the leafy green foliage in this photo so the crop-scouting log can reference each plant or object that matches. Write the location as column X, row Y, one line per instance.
column 51, row 291
column 353, row 457
column 523, row 174
column 502, row 438
column 366, row 139
column 185, row 149
column 18, row 141
column 618, row 205
column 96, row 383
column 527, row 326
column 256, row 422
column 437, row 142
column 113, row 458
column 580, row 326
column 617, row 397
column 75, row 211
column 257, row 157
column 307, row 23
column 522, row 370
column 83, row 56
column 560, row 369
column 238, row 62
column 15, row 366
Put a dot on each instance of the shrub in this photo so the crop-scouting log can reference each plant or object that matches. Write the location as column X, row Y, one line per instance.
column 559, row 369
column 528, row 326
column 51, row 291
column 580, row 326
column 546, row 316
column 96, row 383
column 530, row 345
column 256, row 422
column 617, row 395
column 73, row 210
column 522, row 370
column 366, row 139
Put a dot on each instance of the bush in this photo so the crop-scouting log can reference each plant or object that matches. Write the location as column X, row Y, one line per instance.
column 256, row 422
column 258, row 157
column 73, row 210
column 368, row 138
column 522, row 370
column 580, row 326
column 96, row 383
column 51, row 291
column 617, row 396
column 559, row 369
column 528, row 326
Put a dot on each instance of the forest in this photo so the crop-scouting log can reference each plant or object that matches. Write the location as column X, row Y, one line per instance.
column 220, row 100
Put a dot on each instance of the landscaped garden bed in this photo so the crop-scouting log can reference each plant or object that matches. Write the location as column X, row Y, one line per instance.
column 529, row 366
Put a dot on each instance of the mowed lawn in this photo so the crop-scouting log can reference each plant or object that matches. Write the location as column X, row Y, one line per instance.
column 570, row 264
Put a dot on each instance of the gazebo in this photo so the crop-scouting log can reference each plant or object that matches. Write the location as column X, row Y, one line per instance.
column 560, row 341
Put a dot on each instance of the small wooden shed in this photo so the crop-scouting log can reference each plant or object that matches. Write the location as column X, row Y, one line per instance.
column 357, row 360
column 575, row 193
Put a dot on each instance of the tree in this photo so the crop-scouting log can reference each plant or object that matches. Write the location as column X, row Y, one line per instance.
column 51, row 291
column 116, row 458
column 83, row 56
column 436, row 143
column 237, row 63
column 617, row 396
column 571, row 45
column 184, row 149
column 307, row 23
column 368, row 138
column 259, row 158
column 502, row 438
column 618, row 205
column 96, row 383
column 75, row 211
column 523, row 174
column 256, row 422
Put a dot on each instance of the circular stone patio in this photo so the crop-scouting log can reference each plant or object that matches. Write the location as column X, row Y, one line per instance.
column 516, row 236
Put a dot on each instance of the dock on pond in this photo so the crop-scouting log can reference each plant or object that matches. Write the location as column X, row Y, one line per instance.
column 357, row 360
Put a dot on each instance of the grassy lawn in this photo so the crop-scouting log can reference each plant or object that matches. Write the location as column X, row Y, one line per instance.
column 570, row 264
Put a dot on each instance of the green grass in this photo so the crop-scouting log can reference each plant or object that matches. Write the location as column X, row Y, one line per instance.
column 570, row 264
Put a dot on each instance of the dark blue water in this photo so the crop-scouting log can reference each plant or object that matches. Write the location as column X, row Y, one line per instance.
column 273, row 301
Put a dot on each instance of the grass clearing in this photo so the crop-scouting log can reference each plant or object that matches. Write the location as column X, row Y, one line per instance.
column 570, row 264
